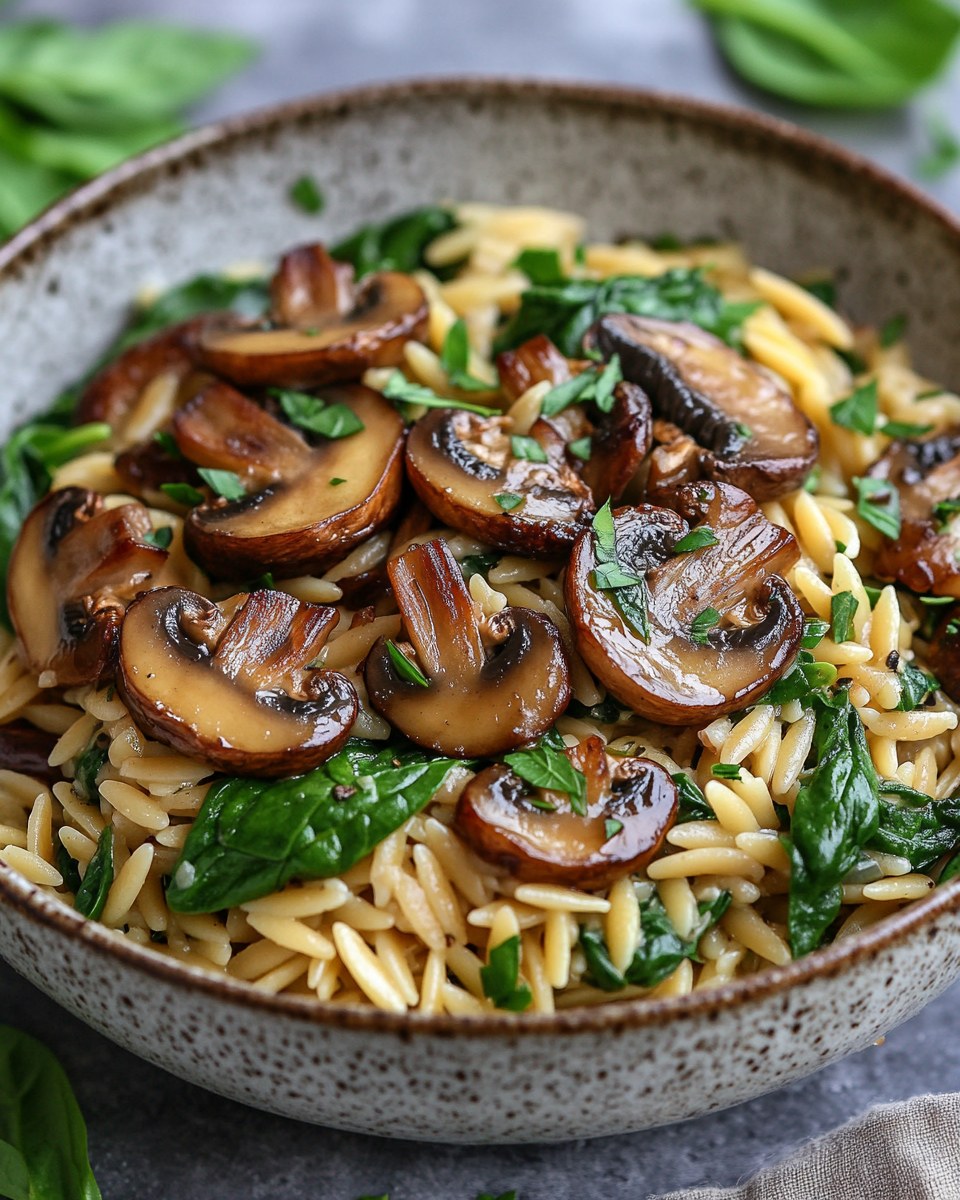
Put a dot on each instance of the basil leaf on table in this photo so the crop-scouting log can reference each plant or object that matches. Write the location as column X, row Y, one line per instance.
column 836, row 814
column 855, row 54
column 252, row 836
column 661, row 948
column 43, row 1139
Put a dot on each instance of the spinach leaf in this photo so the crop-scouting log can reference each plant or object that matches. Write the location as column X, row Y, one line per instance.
column 920, row 833
column 836, row 814
column 691, row 802
column 201, row 294
column 395, row 245
column 252, row 835
column 91, row 896
column 500, row 978
column 661, row 948
column 565, row 311
column 855, row 54
column 86, row 770
column 915, row 686
column 43, row 1140
column 806, row 679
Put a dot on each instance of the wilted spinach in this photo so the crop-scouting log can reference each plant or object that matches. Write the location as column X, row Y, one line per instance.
column 91, row 896
column 394, row 245
column 919, row 832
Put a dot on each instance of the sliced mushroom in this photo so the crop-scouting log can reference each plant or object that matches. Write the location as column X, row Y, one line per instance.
column 491, row 684
column 464, row 470
column 535, row 835
column 745, row 425
column 306, row 505
column 689, row 672
column 536, row 360
column 26, row 750
column 324, row 328
column 925, row 474
column 945, row 653
column 234, row 685
column 74, row 568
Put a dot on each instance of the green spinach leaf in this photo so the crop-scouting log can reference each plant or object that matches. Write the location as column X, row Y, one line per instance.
column 920, row 833
column 43, row 1139
column 395, row 245
column 91, row 897
column 500, row 978
column 252, row 835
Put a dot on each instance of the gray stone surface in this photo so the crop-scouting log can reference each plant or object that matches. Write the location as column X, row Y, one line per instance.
column 152, row 1136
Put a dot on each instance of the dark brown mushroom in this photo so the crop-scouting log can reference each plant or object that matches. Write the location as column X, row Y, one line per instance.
column 233, row 685
column 925, row 475
column 465, row 471
column 692, row 668
column 323, row 328
column 945, row 653
column 74, row 568
column 488, row 685
column 746, row 429
column 26, row 750
column 535, row 835
column 306, row 505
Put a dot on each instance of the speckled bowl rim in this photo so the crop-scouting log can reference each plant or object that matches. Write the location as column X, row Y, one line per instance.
column 137, row 175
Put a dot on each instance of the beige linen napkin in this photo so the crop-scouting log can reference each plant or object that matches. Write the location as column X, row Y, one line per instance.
column 908, row 1151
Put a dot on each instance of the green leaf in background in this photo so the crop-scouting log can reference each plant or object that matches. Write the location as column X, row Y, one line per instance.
column 944, row 152
column 254, row 835
column 395, row 245
column 836, row 53
column 43, row 1139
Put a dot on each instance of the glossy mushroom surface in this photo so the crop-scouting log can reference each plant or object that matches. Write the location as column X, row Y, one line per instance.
column 746, row 429
column 233, row 685
column 535, row 835
column 925, row 474
column 26, row 750
column 73, row 570
column 678, row 675
column 306, row 505
column 489, row 684
column 323, row 328
column 465, row 471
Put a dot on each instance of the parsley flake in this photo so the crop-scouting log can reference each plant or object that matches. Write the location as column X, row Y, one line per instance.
column 227, row 484
column 892, row 330
column 455, row 357
column 696, row 539
column 702, row 624
column 306, row 195
column 611, row 827
column 858, row 411
column 541, row 266
column 843, row 608
column 550, row 769
column 508, row 501
column 400, row 390
column 878, row 502
column 527, row 448
column 814, row 631
column 904, row 429
column 582, row 448
column 725, row 770
column 315, row 415
column 182, row 493
column 161, row 537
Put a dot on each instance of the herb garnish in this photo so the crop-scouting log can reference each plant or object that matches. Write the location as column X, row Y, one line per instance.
column 944, row 152
column 405, row 667
column 395, row 245
column 814, row 631
column 161, row 538
column 508, row 501
column 858, row 411
column 806, row 679
column 454, row 357
column 182, row 493
column 723, row 770
column 582, row 448
column 500, row 978
column 91, row 897
column 843, row 608
column 892, row 330
column 227, row 484
column 696, row 539
column 541, row 266
column 552, row 770
column 628, row 591
column 878, row 502
column 692, row 804
column 399, row 389
column 527, row 448
column 915, row 686
column 315, row 415
column 702, row 624
column 306, row 195
column 479, row 564
column 595, row 384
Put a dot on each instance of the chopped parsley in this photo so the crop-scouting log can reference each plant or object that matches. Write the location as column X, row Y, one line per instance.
column 892, row 330
column 582, row 448
column 182, row 493
column 696, row 539
column 508, row 501
column 550, row 769
column 725, row 771
column 315, row 415
column 814, row 631
column 595, row 383
column 611, row 827
column 541, row 266
column 843, row 608
column 858, row 411
column 227, row 484
column 944, row 513
column 628, row 591
column 168, row 443
column 400, row 390
column 878, row 502
column 915, row 686
column 161, row 538
column 455, row 356
column 527, row 448
column 903, row 429
column 702, row 624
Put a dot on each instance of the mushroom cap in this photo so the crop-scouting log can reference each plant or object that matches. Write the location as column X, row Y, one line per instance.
column 924, row 473
column 492, row 685
column 295, row 519
column 231, row 684
column 458, row 462
column 673, row 679
column 497, row 817
column 324, row 329
column 748, row 430
column 73, row 569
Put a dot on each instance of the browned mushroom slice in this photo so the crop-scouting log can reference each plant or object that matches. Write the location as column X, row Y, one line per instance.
column 324, row 328
column 926, row 476
column 26, row 750
column 465, row 471
column 945, row 653
column 484, row 686
column 233, row 685
column 535, row 835
column 748, row 430
column 73, row 569
column 723, row 626
column 306, row 506
column 537, row 360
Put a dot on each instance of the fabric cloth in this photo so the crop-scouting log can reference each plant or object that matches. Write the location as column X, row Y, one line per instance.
column 908, row 1151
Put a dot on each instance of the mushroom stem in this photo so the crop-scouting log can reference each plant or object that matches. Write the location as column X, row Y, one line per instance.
column 439, row 616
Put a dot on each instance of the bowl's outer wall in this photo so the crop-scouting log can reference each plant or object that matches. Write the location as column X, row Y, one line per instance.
column 635, row 165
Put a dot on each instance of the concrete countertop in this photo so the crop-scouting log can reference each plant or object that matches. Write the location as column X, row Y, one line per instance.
column 153, row 1136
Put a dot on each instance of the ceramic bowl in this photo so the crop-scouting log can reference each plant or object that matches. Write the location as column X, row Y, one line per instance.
column 634, row 163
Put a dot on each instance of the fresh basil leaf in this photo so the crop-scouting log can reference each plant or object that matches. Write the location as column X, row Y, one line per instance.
column 252, row 836
column 227, row 484
column 836, row 814
column 814, row 631
column 43, row 1138
column 527, row 448
column 878, row 502
column 696, row 539
column 661, row 948
column 922, row 834
column 91, row 897
column 541, row 266
column 306, row 195
column 858, row 411
column 405, row 667
column 552, row 770
column 691, row 802
column 843, row 608
column 807, row 678
column 500, row 979
column 455, row 356
column 397, row 244
column 86, row 769
column 915, row 686
column 402, row 391
column 565, row 310
column 702, row 624
column 858, row 54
